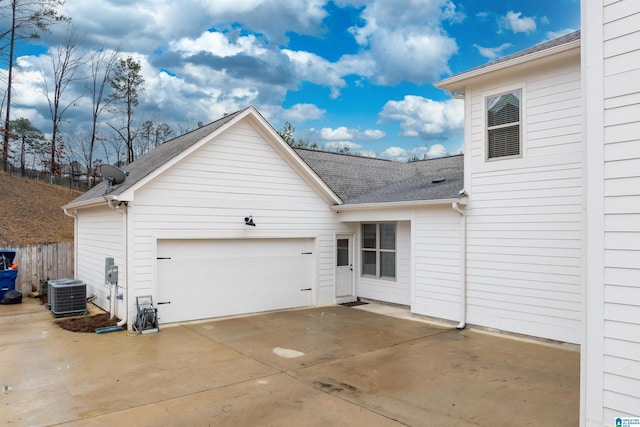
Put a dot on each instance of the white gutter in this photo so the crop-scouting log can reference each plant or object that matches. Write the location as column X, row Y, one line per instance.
column 86, row 203
column 391, row 205
column 125, row 290
column 463, row 266
column 73, row 214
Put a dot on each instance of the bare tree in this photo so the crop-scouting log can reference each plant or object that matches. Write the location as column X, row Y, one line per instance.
column 101, row 64
column 27, row 18
column 152, row 135
column 66, row 60
column 116, row 146
column 127, row 83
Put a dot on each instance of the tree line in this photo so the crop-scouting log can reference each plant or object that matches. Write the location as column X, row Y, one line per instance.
column 112, row 83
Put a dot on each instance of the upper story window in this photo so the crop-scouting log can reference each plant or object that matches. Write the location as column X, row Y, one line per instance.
column 379, row 250
column 503, row 125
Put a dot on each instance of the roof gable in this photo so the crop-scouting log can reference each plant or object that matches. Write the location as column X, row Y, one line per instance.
column 166, row 155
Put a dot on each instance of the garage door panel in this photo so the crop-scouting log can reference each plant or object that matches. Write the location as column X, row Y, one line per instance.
column 202, row 279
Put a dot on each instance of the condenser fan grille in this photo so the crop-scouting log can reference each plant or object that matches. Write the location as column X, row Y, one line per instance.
column 67, row 298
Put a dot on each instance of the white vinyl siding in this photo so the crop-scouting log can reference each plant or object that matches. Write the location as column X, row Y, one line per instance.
column 438, row 274
column 621, row 351
column 100, row 234
column 524, row 213
column 208, row 195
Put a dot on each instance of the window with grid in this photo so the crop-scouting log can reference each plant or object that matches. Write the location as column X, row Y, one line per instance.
column 379, row 250
column 503, row 125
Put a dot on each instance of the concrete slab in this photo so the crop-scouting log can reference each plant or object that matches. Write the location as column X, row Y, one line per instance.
column 319, row 366
column 278, row 400
column 458, row 378
column 312, row 336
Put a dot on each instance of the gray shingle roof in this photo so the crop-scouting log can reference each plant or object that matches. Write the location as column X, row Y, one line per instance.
column 358, row 180
column 559, row 41
column 155, row 158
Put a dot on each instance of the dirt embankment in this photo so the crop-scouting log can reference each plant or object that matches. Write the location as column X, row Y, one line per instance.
column 30, row 211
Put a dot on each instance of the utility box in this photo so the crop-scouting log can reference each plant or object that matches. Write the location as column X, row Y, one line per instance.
column 8, row 271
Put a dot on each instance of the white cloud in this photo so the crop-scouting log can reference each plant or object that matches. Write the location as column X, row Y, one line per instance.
column 315, row 69
column 343, row 133
column 555, row 34
column 371, row 134
column 337, row 145
column 420, row 152
column 425, row 118
column 300, row 112
column 514, row 21
column 274, row 18
column 436, row 150
column 218, row 44
column 492, row 52
column 405, row 39
column 367, row 153
column 340, row 133
column 395, row 152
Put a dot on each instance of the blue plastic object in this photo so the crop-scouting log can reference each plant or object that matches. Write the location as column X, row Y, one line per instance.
column 7, row 276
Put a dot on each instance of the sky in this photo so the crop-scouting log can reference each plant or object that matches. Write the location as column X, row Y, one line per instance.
column 354, row 74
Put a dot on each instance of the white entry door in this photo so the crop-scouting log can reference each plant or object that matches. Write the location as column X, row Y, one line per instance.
column 344, row 268
column 200, row 279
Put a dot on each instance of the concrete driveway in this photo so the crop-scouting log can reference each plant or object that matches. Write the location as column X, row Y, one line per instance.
column 311, row 367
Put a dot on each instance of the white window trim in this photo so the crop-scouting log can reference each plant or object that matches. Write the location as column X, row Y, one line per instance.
column 377, row 251
column 521, row 87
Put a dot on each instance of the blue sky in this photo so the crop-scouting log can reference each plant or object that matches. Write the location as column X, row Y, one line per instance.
column 345, row 73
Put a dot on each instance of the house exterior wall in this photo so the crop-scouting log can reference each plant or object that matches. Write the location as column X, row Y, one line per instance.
column 100, row 234
column 611, row 356
column 208, row 194
column 524, row 214
column 438, row 263
column 429, row 259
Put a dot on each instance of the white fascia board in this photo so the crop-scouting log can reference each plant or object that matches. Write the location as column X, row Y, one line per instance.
column 455, row 84
column 395, row 205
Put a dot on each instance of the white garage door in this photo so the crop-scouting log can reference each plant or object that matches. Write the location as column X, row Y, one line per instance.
column 200, row 279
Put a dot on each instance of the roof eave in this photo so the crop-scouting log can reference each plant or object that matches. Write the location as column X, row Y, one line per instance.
column 91, row 202
column 456, row 84
column 403, row 204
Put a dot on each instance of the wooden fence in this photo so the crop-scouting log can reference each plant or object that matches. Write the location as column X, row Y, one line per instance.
column 42, row 261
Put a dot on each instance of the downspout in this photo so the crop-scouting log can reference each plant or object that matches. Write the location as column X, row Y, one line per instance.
column 74, row 214
column 463, row 265
column 125, row 300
